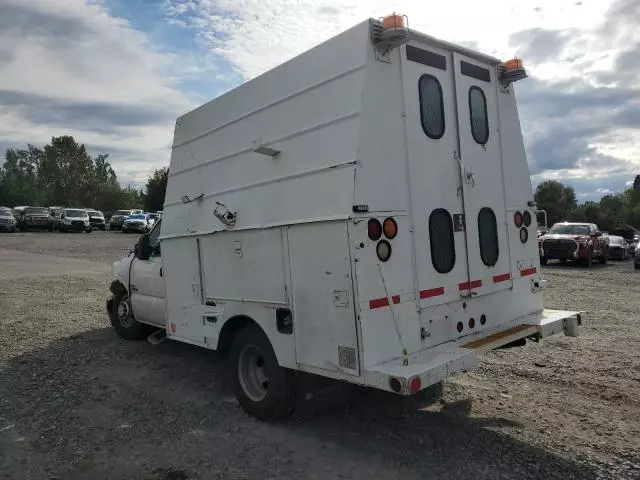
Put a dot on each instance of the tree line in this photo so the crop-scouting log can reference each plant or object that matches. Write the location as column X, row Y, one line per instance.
column 612, row 211
column 63, row 173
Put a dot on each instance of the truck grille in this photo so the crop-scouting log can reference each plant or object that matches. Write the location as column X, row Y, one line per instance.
column 560, row 247
column 77, row 223
column 4, row 221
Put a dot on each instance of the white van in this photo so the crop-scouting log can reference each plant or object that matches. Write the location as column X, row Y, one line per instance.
column 362, row 212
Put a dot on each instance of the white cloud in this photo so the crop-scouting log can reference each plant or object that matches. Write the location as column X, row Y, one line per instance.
column 76, row 54
column 576, row 52
column 256, row 36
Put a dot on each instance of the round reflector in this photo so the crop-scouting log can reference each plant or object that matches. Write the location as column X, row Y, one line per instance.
column 415, row 385
column 483, row 319
column 472, row 322
column 517, row 219
column 526, row 218
column 395, row 384
column 390, row 228
column 524, row 235
column 374, row 229
column 383, row 249
column 460, row 327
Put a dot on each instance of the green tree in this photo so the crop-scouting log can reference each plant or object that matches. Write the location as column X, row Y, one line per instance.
column 636, row 183
column 591, row 212
column 18, row 177
column 155, row 190
column 67, row 173
column 612, row 211
column 558, row 200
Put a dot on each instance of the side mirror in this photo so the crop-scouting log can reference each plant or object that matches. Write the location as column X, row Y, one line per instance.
column 143, row 248
column 598, row 234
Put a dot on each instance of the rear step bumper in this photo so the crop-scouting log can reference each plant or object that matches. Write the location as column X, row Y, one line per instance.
column 435, row 364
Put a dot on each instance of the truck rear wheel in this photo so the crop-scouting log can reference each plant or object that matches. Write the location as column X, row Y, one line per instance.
column 264, row 389
column 543, row 260
column 122, row 320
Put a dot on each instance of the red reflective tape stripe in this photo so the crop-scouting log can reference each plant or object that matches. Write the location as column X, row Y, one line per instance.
column 383, row 302
column 432, row 292
column 470, row 285
column 528, row 271
column 501, row 278
column 378, row 303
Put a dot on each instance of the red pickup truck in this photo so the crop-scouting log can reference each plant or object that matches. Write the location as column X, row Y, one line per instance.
column 574, row 241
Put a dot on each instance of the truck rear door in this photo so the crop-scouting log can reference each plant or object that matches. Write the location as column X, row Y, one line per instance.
column 456, row 179
column 436, row 195
column 482, row 175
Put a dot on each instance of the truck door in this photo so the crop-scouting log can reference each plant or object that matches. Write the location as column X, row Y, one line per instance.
column 482, row 175
column 436, row 195
column 147, row 284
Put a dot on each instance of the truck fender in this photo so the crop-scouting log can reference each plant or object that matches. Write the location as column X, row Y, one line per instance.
column 117, row 287
column 229, row 330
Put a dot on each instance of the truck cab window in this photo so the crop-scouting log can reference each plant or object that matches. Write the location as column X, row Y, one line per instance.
column 479, row 117
column 431, row 106
column 443, row 252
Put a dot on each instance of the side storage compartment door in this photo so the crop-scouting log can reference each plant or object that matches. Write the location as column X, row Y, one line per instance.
column 324, row 315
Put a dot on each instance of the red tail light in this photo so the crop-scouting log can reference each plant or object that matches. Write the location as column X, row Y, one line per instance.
column 415, row 385
column 374, row 229
column 517, row 219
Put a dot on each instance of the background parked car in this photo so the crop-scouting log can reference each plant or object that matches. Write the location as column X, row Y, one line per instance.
column 575, row 241
column 7, row 220
column 630, row 235
column 75, row 219
column 117, row 219
column 35, row 218
column 96, row 219
column 618, row 247
column 55, row 213
column 140, row 223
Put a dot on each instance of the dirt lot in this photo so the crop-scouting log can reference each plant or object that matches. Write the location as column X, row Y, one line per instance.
column 78, row 402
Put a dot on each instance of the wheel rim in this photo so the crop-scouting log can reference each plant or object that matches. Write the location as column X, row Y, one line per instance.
column 252, row 373
column 124, row 312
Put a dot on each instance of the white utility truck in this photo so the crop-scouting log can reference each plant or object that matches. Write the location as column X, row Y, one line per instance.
column 362, row 212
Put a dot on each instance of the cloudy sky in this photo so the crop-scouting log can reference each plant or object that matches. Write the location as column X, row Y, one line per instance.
column 116, row 73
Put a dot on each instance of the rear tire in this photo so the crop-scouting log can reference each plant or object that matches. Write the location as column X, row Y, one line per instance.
column 264, row 389
column 603, row 259
column 123, row 321
column 589, row 260
column 544, row 260
column 636, row 266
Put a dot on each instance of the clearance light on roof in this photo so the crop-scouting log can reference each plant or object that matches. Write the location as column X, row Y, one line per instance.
column 388, row 33
column 512, row 71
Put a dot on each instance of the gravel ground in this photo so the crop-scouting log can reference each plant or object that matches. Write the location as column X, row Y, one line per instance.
column 78, row 402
